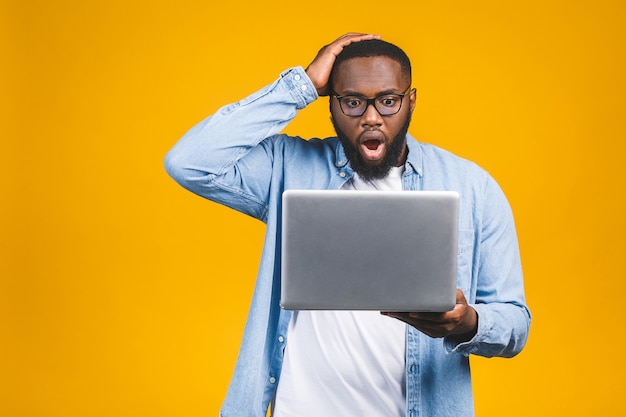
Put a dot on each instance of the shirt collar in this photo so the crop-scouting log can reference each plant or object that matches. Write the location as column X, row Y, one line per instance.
column 340, row 155
column 414, row 159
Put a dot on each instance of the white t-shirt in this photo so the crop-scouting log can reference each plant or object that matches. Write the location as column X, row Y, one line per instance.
column 345, row 363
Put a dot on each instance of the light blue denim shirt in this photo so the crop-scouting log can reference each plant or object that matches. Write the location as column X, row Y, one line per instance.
column 238, row 158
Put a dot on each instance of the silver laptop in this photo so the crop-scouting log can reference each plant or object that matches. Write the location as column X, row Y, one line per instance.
column 369, row 250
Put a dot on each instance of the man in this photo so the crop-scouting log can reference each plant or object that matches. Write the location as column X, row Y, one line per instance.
column 356, row 363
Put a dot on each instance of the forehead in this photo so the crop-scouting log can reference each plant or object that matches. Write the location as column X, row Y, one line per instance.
column 369, row 76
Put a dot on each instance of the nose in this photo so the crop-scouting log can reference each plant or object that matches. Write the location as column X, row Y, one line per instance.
column 371, row 117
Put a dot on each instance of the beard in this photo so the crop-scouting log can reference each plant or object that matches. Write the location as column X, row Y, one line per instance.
column 368, row 171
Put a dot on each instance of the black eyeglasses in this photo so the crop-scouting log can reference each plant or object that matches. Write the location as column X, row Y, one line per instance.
column 385, row 104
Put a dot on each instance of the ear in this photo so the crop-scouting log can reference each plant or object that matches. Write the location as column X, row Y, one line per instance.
column 330, row 104
column 412, row 99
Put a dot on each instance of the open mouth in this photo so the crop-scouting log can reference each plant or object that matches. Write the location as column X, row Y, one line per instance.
column 372, row 144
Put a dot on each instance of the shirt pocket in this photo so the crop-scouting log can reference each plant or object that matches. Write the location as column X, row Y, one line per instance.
column 464, row 261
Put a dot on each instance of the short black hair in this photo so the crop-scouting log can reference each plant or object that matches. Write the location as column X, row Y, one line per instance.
column 373, row 48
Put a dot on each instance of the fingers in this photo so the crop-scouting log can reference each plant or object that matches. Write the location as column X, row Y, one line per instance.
column 319, row 70
column 337, row 46
column 462, row 321
column 435, row 329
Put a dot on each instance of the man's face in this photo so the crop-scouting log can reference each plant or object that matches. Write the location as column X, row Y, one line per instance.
column 373, row 143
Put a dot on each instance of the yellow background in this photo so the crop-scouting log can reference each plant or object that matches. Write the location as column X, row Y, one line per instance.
column 121, row 294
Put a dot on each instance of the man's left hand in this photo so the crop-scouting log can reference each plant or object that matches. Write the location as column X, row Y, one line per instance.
column 460, row 322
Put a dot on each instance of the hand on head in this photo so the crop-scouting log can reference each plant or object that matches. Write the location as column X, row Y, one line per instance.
column 319, row 70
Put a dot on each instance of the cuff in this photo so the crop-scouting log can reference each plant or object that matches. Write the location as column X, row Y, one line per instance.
column 300, row 86
column 472, row 345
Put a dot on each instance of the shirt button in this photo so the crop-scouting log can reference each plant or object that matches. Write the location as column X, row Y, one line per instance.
column 342, row 174
column 303, row 87
column 272, row 380
column 296, row 77
column 281, row 339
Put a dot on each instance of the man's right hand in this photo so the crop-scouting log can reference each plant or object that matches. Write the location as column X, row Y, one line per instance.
column 319, row 70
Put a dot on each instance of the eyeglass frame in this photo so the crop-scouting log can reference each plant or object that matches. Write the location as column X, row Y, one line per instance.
column 372, row 101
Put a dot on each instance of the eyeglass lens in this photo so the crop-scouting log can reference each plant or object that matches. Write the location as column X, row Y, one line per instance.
column 386, row 105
